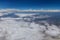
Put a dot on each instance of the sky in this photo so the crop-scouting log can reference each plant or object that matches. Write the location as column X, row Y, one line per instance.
column 30, row 4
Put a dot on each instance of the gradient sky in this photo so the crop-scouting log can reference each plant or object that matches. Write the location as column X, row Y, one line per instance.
column 30, row 4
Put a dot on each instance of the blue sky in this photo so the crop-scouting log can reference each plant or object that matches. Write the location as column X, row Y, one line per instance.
column 30, row 4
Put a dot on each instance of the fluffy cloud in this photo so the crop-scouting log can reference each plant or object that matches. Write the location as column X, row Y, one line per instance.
column 29, row 10
column 21, row 30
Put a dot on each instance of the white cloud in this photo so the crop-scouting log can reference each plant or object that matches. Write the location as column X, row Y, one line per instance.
column 29, row 10
column 22, row 30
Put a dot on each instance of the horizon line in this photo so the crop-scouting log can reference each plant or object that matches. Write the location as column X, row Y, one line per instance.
column 28, row 10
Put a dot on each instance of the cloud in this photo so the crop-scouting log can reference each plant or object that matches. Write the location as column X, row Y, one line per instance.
column 22, row 30
column 29, row 10
column 18, row 30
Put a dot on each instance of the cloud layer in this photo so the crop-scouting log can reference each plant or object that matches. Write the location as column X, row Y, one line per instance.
column 29, row 10
column 22, row 30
